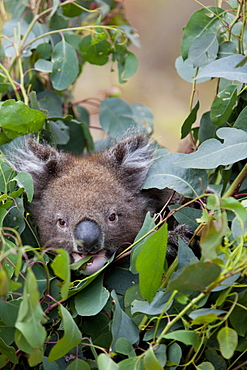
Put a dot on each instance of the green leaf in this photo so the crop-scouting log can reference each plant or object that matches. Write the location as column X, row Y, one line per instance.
column 150, row 360
column 25, row 180
column 71, row 10
column 105, row 362
column 187, row 71
column 150, row 262
column 35, row 357
column 44, row 50
column 30, row 315
column 212, row 234
column 8, row 351
column 160, row 354
column 194, row 277
column 43, row 65
column 143, row 116
column 9, row 311
column 190, row 338
column 203, row 22
column 235, row 206
column 228, row 341
column 174, row 353
column 95, row 52
column 204, row 316
column 92, row 299
column 122, row 325
column 18, row 119
column 124, row 347
column 127, row 66
column 241, row 120
column 78, row 365
column 60, row 266
column 205, row 366
column 226, row 49
column 186, row 127
column 207, row 129
column 227, row 68
column 66, row 67
column 116, row 117
column 223, row 105
column 135, row 363
column 165, row 173
column 156, row 307
column 147, row 226
column 49, row 365
column 215, row 359
column 203, row 50
column 238, row 317
column 212, row 153
column 15, row 29
column 72, row 336
column 186, row 215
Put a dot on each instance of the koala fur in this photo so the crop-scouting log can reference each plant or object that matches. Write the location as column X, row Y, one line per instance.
column 90, row 205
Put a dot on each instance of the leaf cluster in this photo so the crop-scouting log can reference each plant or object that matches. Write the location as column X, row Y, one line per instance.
column 151, row 314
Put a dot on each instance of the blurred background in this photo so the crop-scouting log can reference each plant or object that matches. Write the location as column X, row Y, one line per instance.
column 156, row 83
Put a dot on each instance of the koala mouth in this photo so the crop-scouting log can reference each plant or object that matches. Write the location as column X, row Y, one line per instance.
column 95, row 263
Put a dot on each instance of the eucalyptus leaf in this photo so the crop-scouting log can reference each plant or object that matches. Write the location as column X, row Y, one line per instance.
column 71, row 338
column 78, row 365
column 18, row 119
column 150, row 360
column 185, row 336
column 8, row 351
column 203, row 50
column 105, row 362
column 127, row 66
column 212, row 153
column 95, row 52
column 116, row 117
column 241, row 120
column 195, row 277
column 25, row 179
column 92, row 299
column 165, row 173
column 60, row 266
column 186, row 70
column 65, row 65
column 43, row 65
column 122, row 326
column 203, row 22
column 228, row 340
column 228, row 67
column 223, row 105
column 150, row 263
column 30, row 316
column 186, row 127
column 156, row 307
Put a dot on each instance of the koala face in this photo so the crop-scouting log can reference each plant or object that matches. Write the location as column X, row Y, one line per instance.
column 92, row 205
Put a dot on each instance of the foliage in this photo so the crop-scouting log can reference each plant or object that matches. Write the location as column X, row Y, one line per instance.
column 191, row 313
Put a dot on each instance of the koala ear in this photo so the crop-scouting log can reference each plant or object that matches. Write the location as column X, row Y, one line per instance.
column 40, row 161
column 132, row 159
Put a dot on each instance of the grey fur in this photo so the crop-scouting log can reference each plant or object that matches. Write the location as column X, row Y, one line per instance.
column 101, row 191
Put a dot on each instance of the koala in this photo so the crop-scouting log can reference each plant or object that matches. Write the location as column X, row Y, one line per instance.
column 91, row 205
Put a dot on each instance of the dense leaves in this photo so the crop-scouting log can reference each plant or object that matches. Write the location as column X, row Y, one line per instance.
column 189, row 312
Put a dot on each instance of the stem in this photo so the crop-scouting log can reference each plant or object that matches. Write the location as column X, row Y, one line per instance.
column 180, row 315
column 235, row 20
column 11, row 81
column 236, row 183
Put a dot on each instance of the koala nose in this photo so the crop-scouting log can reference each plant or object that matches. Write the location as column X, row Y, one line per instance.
column 90, row 234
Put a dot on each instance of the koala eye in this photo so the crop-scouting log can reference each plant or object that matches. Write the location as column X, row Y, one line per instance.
column 113, row 217
column 61, row 223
